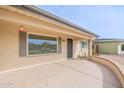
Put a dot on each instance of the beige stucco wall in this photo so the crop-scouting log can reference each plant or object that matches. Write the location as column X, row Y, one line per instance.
column 9, row 47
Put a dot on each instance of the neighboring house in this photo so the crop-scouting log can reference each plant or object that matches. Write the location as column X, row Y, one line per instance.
column 29, row 35
column 110, row 46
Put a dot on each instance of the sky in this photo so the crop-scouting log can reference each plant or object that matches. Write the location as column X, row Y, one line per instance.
column 106, row 21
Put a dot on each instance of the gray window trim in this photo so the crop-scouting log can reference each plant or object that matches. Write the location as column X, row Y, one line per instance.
column 59, row 44
column 22, row 44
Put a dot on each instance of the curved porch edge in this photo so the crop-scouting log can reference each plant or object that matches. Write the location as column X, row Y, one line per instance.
column 114, row 66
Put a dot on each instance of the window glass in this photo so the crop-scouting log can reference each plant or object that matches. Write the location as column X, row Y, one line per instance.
column 122, row 47
column 41, row 44
column 83, row 44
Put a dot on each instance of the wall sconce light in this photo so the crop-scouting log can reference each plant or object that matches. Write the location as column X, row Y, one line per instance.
column 22, row 28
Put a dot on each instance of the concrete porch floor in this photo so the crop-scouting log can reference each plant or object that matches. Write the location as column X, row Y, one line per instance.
column 68, row 74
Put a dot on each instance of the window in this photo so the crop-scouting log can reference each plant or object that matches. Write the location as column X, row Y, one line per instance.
column 83, row 44
column 122, row 47
column 41, row 44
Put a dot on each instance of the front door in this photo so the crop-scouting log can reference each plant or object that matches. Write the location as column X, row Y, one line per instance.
column 69, row 48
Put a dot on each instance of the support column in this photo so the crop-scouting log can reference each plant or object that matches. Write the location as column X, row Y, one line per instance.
column 89, row 47
column 77, row 50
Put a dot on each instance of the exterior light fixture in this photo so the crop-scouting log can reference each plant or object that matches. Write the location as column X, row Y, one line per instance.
column 21, row 28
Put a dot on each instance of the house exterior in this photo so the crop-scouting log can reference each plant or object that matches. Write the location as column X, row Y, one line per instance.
column 29, row 35
column 110, row 46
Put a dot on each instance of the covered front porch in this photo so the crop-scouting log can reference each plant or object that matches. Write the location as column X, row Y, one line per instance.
column 18, row 27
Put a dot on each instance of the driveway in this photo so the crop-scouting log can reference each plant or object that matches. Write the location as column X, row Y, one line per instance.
column 68, row 74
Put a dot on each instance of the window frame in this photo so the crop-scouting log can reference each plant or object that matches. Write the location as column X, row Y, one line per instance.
column 28, row 33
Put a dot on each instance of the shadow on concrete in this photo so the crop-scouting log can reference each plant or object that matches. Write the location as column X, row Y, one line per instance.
column 109, row 77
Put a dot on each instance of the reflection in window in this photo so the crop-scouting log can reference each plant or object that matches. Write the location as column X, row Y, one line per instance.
column 41, row 44
column 122, row 47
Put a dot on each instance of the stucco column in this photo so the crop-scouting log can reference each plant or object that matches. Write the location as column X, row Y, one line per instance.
column 89, row 47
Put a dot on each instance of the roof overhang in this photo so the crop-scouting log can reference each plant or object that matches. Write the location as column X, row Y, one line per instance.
column 49, row 15
column 109, row 40
column 34, row 12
